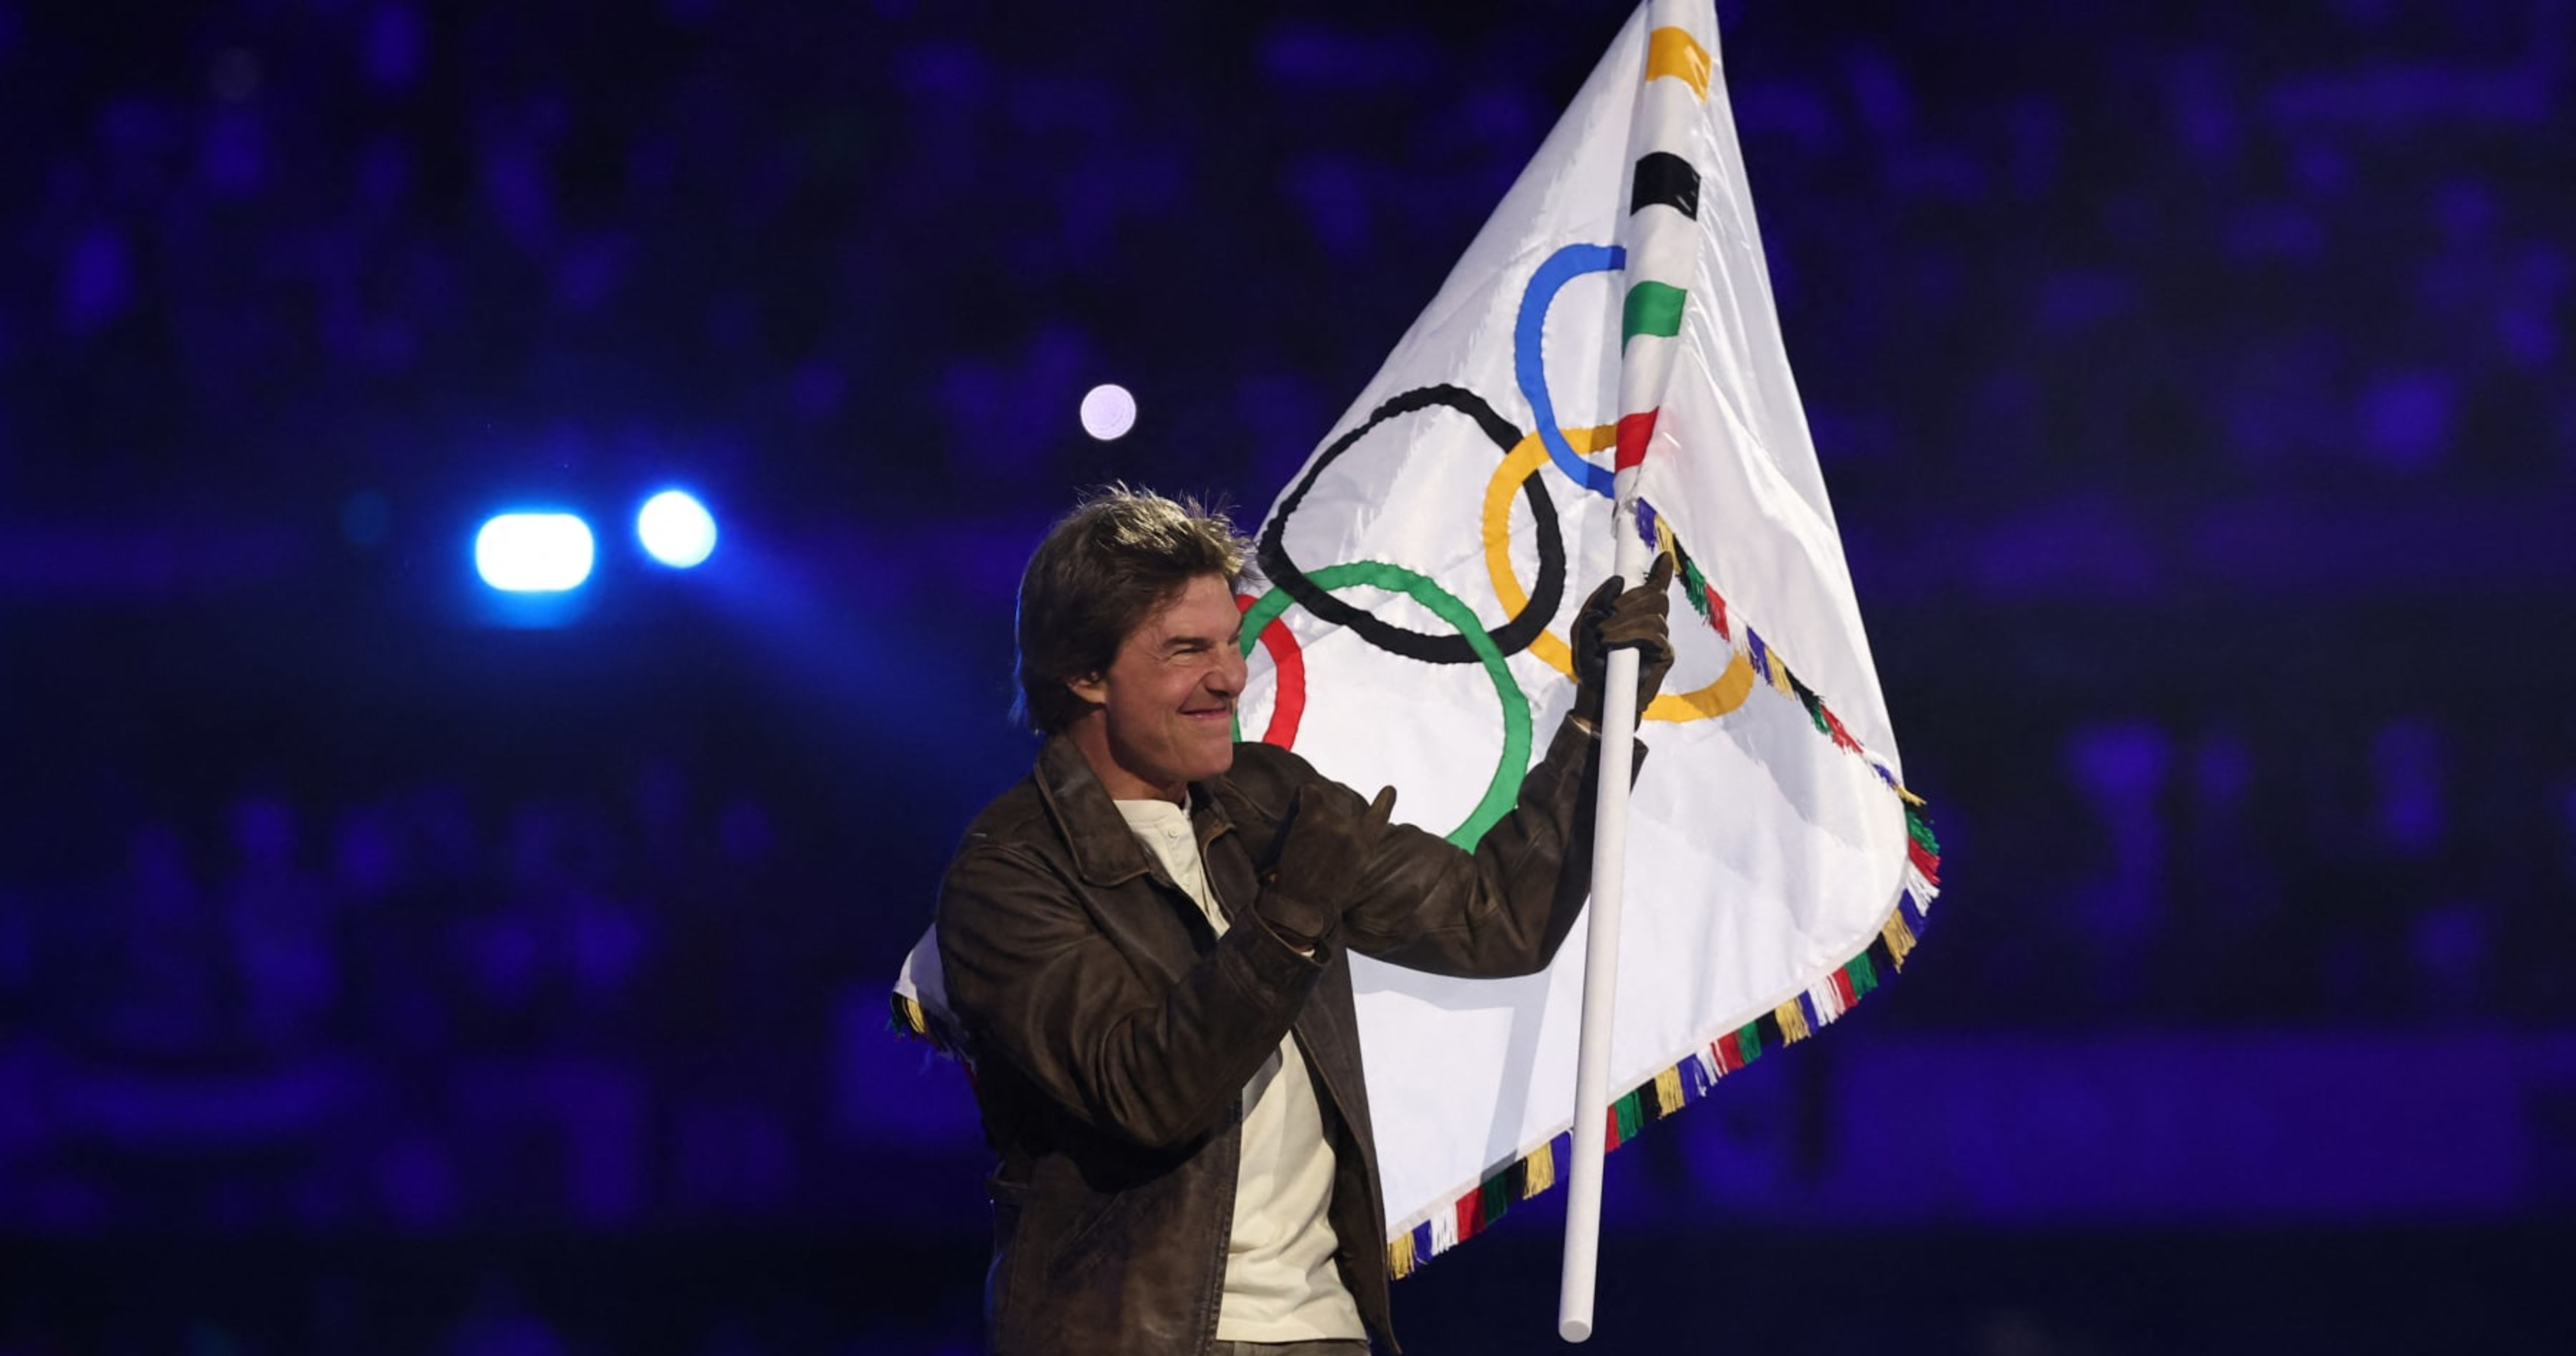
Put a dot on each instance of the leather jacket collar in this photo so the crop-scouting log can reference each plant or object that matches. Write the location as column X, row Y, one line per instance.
column 1105, row 850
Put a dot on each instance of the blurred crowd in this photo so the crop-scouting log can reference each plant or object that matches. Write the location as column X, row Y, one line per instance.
column 2024, row 257
column 2324, row 872
column 430, row 1009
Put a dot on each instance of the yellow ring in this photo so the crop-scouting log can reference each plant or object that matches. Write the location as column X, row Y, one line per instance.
column 1725, row 694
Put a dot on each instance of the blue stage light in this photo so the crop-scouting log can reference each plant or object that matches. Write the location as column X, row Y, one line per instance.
column 534, row 552
column 676, row 529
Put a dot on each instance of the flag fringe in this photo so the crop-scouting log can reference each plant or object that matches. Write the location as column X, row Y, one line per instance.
column 1665, row 1094
column 910, row 1020
column 1773, row 667
column 1796, row 1018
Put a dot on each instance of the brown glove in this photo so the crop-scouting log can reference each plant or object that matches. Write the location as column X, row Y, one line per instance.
column 1613, row 619
column 1309, row 874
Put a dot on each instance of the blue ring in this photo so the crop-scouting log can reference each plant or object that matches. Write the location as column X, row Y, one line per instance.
column 1529, row 361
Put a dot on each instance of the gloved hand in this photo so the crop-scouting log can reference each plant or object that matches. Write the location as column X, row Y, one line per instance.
column 1309, row 874
column 1613, row 619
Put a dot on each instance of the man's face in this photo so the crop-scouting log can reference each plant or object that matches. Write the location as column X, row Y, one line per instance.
column 1168, row 698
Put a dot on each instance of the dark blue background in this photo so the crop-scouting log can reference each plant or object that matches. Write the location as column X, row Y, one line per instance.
column 2194, row 385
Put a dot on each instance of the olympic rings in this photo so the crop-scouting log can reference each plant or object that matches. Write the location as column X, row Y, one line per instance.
column 1523, row 467
column 1719, row 697
column 1513, row 764
column 1515, row 634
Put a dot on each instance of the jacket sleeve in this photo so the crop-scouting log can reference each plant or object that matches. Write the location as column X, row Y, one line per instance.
column 1034, row 982
column 1505, row 908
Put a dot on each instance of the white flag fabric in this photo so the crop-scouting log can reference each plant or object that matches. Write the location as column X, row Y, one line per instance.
column 1417, row 579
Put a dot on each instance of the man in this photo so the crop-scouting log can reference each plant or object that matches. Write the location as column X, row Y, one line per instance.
column 1143, row 945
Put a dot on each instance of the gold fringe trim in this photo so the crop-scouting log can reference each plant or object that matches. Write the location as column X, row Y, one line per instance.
column 914, row 1019
column 1793, row 1022
column 1900, row 938
column 1399, row 1256
column 1539, row 1170
column 1668, row 1090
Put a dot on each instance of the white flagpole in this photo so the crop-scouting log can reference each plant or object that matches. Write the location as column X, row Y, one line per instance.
column 1601, row 942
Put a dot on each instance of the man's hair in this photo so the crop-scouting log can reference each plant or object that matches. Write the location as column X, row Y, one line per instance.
column 1102, row 570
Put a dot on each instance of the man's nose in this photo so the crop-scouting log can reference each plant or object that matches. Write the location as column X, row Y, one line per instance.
column 1228, row 675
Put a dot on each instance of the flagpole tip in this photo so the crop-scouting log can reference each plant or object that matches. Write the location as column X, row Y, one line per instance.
column 1575, row 1329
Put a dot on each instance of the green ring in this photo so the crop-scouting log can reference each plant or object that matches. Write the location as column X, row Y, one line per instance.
column 1505, row 788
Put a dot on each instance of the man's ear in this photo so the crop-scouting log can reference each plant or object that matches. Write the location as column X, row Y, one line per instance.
column 1091, row 687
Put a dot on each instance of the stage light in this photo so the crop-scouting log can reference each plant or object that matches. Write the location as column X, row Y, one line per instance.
column 533, row 552
column 676, row 529
column 1108, row 412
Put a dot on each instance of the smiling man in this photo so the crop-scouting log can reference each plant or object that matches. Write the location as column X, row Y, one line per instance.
column 1144, row 945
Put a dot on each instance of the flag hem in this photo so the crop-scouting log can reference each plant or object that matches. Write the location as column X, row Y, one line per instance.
column 1688, row 1079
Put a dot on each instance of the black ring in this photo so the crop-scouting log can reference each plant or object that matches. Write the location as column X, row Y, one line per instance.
column 1511, row 637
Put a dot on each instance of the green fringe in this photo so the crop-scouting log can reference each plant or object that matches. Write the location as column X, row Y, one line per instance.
column 1694, row 585
column 1864, row 975
column 1807, row 698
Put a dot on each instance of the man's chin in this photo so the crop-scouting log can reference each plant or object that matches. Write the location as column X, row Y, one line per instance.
column 1218, row 762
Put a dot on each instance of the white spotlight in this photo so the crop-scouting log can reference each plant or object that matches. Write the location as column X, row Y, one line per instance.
column 533, row 552
column 676, row 529
column 1108, row 412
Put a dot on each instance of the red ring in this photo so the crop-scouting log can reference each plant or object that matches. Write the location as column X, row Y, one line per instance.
column 1288, row 659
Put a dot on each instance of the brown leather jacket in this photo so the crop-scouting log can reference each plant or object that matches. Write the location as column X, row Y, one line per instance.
column 1112, row 1031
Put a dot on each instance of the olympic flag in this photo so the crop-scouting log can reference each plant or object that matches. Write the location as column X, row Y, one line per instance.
column 1419, row 575
column 1422, row 570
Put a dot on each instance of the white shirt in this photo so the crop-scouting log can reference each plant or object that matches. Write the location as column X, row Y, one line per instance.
column 1280, row 1282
